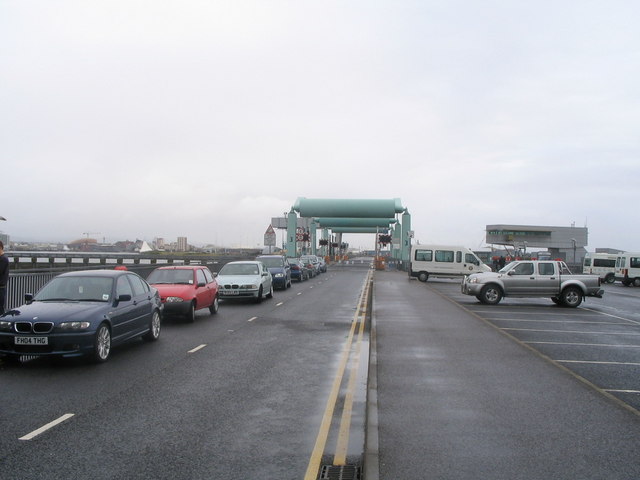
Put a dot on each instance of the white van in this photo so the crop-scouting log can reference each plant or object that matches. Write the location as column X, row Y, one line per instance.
column 601, row 264
column 443, row 261
column 628, row 269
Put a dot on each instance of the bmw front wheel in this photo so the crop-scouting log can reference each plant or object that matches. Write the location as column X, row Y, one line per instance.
column 154, row 328
column 102, row 344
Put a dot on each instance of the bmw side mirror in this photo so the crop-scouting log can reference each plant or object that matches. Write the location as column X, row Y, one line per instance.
column 28, row 297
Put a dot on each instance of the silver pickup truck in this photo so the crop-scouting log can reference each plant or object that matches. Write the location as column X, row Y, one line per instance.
column 529, row 278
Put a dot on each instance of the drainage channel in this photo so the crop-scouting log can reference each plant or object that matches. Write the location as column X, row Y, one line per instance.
column 339, row 446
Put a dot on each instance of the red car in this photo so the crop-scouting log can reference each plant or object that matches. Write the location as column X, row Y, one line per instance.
column 185, row 289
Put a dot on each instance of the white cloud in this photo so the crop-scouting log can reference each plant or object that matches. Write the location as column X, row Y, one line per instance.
column 205, row 119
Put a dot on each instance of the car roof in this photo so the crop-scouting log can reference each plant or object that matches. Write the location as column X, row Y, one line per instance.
column 96, row 273
column 243, row 261
column 180, row 267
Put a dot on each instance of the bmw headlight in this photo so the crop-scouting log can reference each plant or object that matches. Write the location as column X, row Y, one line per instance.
column 74, row 325
column 5, row 326
column 174, row 300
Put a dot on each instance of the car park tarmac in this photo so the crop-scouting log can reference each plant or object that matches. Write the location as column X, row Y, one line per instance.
column 464, row 392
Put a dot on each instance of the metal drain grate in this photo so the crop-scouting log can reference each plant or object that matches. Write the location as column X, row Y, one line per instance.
column 344, row 472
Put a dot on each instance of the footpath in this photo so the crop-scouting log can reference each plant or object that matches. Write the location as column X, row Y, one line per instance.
column 452, row 398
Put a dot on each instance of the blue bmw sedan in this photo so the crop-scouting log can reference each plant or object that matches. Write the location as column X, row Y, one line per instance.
column 82, row 314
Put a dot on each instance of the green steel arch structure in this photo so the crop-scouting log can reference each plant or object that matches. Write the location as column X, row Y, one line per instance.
column 351, row 216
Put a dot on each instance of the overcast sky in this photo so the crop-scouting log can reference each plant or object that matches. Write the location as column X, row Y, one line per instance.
column 141, row 119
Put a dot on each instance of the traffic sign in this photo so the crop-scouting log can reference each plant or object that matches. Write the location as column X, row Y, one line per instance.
column 270, row 237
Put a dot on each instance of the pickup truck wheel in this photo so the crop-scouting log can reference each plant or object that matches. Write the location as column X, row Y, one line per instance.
column 490, row 295
column 423, row 276
column 571, row 297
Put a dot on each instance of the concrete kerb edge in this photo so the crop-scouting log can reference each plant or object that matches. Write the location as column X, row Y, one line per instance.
column 371, row 461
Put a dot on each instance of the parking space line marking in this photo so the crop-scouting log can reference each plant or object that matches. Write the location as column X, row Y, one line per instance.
column 46, row 427
column 594, row 362
column 612, row 316
column 278, row 304
column 553, row 321
column 584, row 344
column 623, row 391
column 546, row 314
column 569, row 331
column 199, row 347
column 252, row 319
column 528, row 310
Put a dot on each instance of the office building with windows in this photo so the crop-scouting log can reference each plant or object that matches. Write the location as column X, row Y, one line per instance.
column 567, row 243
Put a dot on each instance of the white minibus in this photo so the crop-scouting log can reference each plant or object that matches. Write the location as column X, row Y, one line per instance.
column 628, row 269
column 443, row 261
column 601, row 264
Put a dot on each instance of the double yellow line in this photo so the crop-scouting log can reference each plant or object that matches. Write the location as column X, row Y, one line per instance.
column 340, row 458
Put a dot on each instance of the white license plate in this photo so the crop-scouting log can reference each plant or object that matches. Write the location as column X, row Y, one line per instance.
column 31, row 340
column 232, row 292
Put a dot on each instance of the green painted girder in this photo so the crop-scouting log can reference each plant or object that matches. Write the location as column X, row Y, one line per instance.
column 358, row 229
column 349, row 208
column 331, row 222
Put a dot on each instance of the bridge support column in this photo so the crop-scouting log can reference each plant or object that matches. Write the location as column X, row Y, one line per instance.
column 292, row 225
column 313, row 229
column 397, row 242
column 405, row 245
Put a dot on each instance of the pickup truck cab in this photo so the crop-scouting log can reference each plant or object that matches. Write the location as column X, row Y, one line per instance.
column 529, row 278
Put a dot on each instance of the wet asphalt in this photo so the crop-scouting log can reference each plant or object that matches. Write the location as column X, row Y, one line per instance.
column 451, row 397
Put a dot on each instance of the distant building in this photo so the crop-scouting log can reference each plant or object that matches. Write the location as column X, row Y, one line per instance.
column 562, row 242
column 4, row 238
column 182, row 245
column 160, row 243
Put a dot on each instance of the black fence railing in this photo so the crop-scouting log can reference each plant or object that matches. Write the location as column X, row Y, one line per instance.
column 21, row 283
column 30, row 280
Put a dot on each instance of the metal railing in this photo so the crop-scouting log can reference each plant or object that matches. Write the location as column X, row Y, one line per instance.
column 21, row 283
